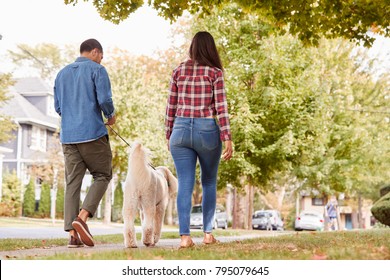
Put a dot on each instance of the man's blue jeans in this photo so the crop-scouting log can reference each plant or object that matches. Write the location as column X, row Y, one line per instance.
column 193, row 139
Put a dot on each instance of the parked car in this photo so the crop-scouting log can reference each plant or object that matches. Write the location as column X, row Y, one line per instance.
column 267, row 219
column 220, row 217
column 309, row 220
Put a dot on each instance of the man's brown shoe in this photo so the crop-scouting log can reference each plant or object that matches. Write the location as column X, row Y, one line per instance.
column 75, row 243
column 83, row 231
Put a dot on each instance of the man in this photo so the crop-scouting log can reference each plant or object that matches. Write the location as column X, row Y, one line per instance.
column 82, row 92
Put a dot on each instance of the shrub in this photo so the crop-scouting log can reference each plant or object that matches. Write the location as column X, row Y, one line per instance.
column 381, row 209
column 384, row 190
column 45, row 201
column 29, row 200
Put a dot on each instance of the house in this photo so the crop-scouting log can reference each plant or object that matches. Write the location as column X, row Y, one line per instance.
column 348, row 209
column 31, row 106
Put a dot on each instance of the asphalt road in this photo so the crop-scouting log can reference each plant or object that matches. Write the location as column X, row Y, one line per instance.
column 56, row 231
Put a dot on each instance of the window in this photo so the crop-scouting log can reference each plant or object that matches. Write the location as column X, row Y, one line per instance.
column 318, row 201
column 38, row 139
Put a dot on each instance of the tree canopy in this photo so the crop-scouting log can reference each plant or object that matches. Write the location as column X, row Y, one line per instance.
column 309, row 20
column 313, row 113
column 7, row 124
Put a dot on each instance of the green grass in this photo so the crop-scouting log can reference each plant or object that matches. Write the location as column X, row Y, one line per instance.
column 10, row 244
column 346, row 245
column 352, row 245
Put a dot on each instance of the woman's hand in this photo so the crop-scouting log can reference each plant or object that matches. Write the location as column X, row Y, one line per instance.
column 228, row 151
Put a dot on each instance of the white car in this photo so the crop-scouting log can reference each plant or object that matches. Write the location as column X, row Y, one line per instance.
column 309, row 220
column 220, row 217
column 271, row 218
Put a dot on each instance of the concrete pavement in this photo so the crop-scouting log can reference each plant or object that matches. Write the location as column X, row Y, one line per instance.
column 163, row 243
column 47, row 231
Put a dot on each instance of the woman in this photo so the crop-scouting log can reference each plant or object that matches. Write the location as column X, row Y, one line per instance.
column 197, row 95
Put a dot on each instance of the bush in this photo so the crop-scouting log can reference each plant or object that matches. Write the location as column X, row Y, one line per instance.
column 11, row 204
column 384, row 190
column 60, row 202
column 45, row 201
column 381, row 209
column 29, row 200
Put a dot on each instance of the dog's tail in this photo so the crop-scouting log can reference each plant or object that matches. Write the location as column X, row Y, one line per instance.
column 172, row 181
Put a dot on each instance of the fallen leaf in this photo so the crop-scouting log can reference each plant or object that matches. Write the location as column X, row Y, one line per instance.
column 319, row 257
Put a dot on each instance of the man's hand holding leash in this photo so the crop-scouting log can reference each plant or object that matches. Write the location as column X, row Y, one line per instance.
column 111, row 121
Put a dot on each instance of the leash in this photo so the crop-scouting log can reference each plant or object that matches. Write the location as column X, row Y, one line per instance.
column 126, row 142
column 118, row 135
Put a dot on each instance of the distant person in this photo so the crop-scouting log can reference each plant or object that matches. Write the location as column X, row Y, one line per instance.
column 269, row 221
column 197, row 98
column 82, row 93
column 331, row 211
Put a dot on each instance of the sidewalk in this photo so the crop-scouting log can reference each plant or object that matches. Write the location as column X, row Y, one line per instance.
column 44, row 229
column 163, row 243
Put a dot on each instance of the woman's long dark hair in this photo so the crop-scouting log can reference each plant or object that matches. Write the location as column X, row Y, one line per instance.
column 204, row 51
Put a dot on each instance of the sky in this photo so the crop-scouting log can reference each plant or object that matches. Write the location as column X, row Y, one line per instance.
column 34, row 22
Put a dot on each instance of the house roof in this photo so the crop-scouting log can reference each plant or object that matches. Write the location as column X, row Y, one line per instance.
column 22, row 111
column 32, row 86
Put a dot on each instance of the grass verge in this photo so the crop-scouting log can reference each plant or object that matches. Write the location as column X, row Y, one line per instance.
column 354, row 245
column 10, row 244
column 346, row 245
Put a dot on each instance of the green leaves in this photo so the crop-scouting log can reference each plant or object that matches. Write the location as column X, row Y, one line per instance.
column 292, row 108
column 139, row 86
column 308, row 20
column 7, row 125
column 114, row 11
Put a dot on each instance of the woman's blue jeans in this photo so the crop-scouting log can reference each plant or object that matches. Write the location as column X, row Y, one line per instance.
column 193, row 139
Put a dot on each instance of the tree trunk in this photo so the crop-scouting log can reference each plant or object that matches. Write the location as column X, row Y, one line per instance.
column 107, row 203
column 242, row 203
column 169, row 213
column 360, row 211
column 235, row 209
column 339, row 224
column 229, row 202
column 354, row 216
column 281, row 194
column 248, row 207
column 54, row 196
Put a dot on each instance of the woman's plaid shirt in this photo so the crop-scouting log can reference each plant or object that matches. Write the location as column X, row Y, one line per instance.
column 197, row 91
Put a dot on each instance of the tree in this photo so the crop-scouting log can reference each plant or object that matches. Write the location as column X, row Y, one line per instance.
column 7, row 124
column 29, row 200
column 309, row 20
column 60, row 201
column 45, row 58
column 11, row 204
column 139, row 86
column 296, row 113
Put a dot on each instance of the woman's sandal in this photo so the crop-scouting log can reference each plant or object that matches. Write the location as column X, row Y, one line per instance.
column 211, row 241
column 188, row 244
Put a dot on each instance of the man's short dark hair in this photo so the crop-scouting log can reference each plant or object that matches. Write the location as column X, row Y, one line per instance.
column 89, row 45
